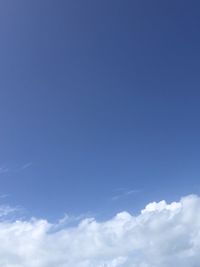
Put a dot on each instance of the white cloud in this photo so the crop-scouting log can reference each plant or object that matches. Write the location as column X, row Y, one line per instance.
column 6, row 210
column 163, row 235
column 123, row 193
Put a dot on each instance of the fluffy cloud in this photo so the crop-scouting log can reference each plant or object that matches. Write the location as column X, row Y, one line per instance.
column 162, row 235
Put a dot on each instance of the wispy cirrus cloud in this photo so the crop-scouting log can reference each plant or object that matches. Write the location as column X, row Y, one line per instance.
column 26, row 165
column 123, row 192
column 6, row 210
column 9, row 169
column 3, row 170
column 3, row 196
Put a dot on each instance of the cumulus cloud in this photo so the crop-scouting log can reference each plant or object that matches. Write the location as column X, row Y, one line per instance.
column 162, row 235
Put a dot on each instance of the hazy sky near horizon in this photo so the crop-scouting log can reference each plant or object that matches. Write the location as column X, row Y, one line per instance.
column 99, row 104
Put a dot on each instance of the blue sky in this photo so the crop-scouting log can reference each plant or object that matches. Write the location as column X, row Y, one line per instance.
column 99, row 104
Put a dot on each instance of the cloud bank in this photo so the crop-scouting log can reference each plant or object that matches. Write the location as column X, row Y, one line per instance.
column 162, row 235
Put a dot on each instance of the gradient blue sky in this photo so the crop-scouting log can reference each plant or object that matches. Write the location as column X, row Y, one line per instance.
column 99, row 104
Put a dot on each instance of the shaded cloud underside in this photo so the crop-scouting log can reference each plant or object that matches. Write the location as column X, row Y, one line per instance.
column 162, row 235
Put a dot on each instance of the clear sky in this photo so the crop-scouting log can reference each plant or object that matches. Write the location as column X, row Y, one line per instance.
column 99, row 104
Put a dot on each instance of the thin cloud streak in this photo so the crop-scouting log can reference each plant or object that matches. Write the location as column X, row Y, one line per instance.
column 125, row 193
